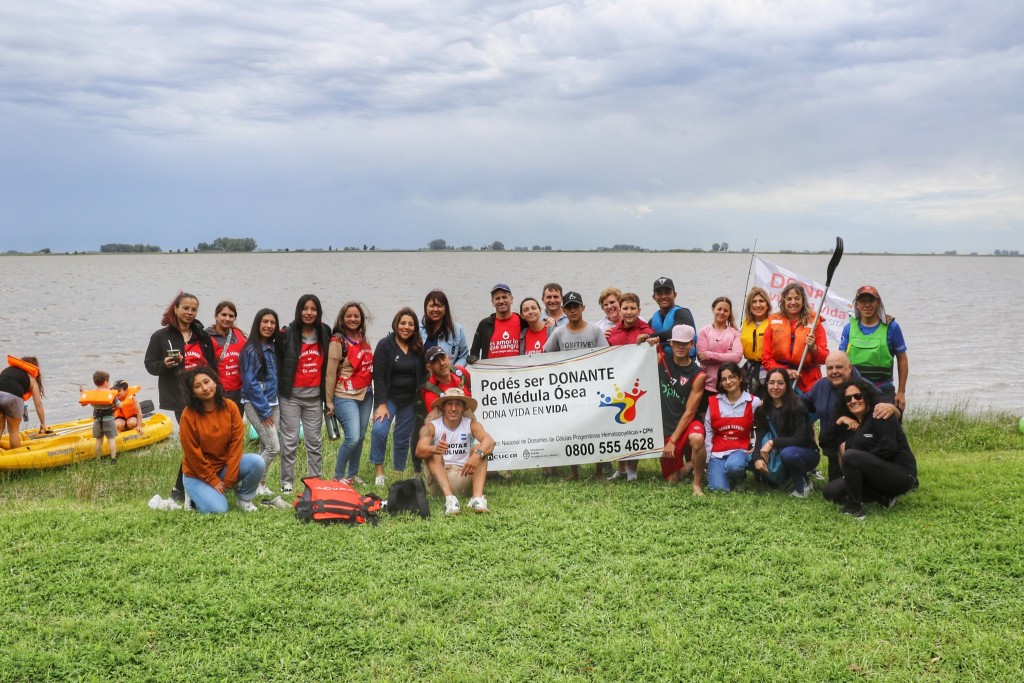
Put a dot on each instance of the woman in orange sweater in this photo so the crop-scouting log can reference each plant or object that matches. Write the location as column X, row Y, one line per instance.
column 789, row 335
column 211, row 436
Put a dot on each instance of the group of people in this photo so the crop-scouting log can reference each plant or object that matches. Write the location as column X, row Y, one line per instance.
column 735, row 398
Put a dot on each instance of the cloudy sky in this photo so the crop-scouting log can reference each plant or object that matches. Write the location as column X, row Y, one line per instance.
column 663, row 123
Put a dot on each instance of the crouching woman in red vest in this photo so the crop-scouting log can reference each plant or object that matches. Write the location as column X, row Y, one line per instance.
column 211, row 435
column 728, row 424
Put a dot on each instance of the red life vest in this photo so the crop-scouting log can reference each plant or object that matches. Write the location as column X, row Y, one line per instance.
column 309, row 370
column 505, row 340
column 433, row 388
column 360, row 357
column 730, row 433
column 534, row 341
column 193, row 356
column 227, row 366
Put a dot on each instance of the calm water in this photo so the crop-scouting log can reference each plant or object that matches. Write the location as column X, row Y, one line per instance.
column 83, row 313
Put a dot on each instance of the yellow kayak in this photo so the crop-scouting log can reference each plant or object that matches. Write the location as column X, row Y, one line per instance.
column 72, row 442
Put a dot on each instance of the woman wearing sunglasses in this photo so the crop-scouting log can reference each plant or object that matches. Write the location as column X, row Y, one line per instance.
column 878, row 465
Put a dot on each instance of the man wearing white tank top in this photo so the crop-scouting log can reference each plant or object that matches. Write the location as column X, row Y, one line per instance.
column 455, row 449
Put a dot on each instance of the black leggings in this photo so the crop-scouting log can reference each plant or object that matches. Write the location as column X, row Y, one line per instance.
column 179, row 485
column 868, row 479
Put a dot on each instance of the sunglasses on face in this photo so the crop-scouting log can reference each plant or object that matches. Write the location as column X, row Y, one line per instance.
column 850, row 398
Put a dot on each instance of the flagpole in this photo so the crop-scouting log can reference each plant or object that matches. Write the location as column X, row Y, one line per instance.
column 746, row 286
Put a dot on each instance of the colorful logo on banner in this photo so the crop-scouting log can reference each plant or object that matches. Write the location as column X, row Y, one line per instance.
column 623, row 402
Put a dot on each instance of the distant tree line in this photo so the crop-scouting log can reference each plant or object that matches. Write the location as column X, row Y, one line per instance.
column 229, row 244
column 117, row 248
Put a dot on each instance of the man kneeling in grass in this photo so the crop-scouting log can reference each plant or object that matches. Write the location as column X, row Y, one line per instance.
column 455, row 448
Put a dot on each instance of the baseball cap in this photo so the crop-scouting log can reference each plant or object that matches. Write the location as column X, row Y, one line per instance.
column 501, row 286
column 664, row 283
column 433, row 353
column 683, row 333
column 572, row 298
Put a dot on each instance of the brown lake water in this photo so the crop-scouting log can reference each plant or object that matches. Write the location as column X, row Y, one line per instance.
column 83, row 313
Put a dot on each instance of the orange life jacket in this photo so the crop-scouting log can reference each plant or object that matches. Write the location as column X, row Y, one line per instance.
column 127, row 408
column 97, row 397
column 787, row 345
column 32, row 371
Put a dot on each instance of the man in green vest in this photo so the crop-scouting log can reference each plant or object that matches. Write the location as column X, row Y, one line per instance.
column 874, row 342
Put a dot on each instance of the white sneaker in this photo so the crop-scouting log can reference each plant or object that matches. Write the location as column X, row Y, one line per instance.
column 808, row 490
column 356, row 481
column 286, row 488
column 452, row 507
column 630, row 476
column 246, row 505
column 263, row 490
column 617, row 474
column 478, row 504
column 818, row 475
column 380, row 480
column 276, row 502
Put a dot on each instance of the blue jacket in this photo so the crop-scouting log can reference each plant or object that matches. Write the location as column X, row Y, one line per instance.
column 259, row 391
column 456, row 347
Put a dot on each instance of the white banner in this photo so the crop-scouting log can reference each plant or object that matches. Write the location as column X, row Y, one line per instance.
column 570, row 408
column 834, row 315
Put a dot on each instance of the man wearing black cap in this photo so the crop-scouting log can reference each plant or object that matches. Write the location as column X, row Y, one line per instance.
column 577, row 333
column 669, row 315
column 442, row 377
column 498, row 334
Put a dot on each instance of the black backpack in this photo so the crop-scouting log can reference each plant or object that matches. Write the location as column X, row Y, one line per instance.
column 408, row 495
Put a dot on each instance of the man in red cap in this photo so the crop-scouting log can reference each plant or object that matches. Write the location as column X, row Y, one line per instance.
column 874, row 342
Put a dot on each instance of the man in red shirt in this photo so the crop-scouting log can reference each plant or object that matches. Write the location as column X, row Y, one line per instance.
column 443, row 376
column 498, row 334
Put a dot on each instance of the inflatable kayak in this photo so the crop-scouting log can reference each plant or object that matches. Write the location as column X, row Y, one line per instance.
column 72, row 442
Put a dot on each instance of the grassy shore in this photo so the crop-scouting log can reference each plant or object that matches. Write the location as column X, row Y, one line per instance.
column 575, row 582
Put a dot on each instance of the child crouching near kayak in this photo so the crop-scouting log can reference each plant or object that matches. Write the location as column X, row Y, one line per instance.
column 128, row 415
column 104, row 402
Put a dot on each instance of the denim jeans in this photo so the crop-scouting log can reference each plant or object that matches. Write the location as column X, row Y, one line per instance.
column 208, row 500
column 354, row 415
column 727, row 470
column 798, row 461
column 404, row 419
column 269, row 439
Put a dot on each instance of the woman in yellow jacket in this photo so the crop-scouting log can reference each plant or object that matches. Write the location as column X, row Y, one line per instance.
column 756, row 309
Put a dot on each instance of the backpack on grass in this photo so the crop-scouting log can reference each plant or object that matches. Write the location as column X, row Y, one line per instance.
column 334, row 502
column 408, row 495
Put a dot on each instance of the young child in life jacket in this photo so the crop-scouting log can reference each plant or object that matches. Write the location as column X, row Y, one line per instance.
column 129, row 415
column 104, row 402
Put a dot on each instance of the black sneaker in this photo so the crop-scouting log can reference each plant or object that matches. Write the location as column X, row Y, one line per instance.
column 855, row 510
column 889, row 502
column 178, row 496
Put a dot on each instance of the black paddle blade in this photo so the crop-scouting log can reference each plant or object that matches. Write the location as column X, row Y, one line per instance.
column 837, row 256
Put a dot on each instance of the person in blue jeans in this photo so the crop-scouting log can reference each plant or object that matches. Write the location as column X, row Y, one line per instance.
column 398, row 372
column 783, row 425
column 729, row 426
column 349, row 387
column 211, row 434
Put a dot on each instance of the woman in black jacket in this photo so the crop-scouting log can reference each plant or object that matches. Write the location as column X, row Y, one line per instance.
column 783, row 425
column 180, row 344
column 398, row 373
column 301, row 387
column 878, row 465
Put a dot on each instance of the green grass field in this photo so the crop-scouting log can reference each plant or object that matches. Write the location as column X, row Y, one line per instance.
column 575, row 582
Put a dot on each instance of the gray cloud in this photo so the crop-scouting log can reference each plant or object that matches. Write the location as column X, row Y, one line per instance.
column 556, row 123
